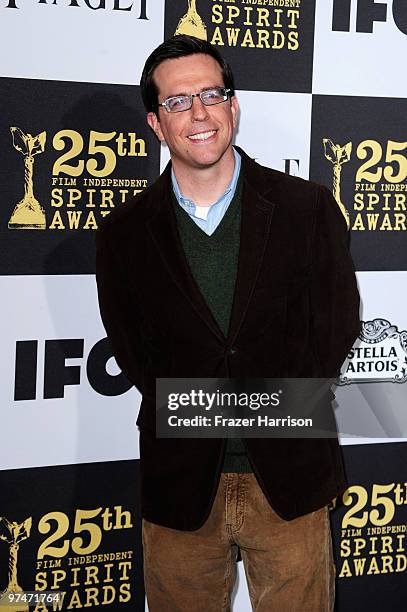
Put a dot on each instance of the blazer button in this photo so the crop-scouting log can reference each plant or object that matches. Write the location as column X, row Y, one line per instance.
column 232, row 350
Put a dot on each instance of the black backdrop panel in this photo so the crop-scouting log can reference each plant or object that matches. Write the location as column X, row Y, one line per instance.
column 370, row 528
column 70, row 153
column 80, row 532
column 364, row 161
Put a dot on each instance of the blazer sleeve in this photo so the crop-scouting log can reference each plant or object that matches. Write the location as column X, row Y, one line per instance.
column 334, row 293
column 119, row 312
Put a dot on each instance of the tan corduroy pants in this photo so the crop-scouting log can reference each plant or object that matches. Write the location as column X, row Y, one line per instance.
column 288, row 564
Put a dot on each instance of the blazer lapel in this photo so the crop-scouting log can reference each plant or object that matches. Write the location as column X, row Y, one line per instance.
column 257, row 211
column 164, row 231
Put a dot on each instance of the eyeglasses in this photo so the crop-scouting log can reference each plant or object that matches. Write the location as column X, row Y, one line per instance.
column 209, row 97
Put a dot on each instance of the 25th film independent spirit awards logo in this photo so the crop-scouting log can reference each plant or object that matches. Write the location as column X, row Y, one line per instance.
column 192, row 24
column 359, row 150
column 246, row 33
column 370, row 528
column 60, row 566
column 378, row 188
column 373, row 532
column 81, row 541
column 76, row 202
column 71, row 153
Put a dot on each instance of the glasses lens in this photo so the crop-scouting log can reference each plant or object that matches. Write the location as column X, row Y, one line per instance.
column 177, row 104
column 213, row 96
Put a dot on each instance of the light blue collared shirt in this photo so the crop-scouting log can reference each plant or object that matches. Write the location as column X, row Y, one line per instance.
column 209, row 217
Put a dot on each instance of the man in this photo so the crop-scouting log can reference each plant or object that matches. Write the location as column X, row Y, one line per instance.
column 223, row 268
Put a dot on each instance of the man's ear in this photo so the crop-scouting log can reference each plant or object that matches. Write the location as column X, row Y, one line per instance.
column 235, row 109
column 154, row 123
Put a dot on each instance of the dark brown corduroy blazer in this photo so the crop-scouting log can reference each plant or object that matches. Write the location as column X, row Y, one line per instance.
column 295, row 314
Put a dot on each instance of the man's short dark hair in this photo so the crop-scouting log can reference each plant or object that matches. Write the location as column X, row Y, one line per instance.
column 178, row 46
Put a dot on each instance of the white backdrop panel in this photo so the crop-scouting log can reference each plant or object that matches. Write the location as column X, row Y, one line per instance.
column 83, row 426
column 76, row 43
column 359, row 63
column 383, row 295
column 378, row 408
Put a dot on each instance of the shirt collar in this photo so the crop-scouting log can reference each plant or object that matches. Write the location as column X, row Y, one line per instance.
column 189, row 204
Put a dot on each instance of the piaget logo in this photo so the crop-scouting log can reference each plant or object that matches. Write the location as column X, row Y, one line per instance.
column 380, row 355
column 372, row 538
column 379, row 186
column 82, row 190
column 236, row 23
column 13, row 533
column 95, row 5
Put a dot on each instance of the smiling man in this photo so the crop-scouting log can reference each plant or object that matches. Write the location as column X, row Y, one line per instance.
column 224, row 268
column 200, row 141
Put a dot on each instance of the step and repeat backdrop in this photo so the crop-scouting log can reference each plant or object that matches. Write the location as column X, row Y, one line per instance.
column 322, row 92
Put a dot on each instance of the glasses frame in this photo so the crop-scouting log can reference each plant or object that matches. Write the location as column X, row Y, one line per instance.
column 195, row 95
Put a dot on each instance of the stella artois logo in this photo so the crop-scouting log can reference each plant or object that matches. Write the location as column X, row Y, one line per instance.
column 380, row 355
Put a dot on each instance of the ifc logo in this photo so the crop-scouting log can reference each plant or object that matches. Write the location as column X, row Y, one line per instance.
column 58, row 374
column 367, row 13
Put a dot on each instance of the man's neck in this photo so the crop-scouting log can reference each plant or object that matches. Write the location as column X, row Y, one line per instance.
column 204, row 186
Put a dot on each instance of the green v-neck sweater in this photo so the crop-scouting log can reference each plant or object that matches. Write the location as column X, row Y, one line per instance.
column 213, row 262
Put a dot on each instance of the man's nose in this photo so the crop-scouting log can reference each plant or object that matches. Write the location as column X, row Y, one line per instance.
column 198, row 109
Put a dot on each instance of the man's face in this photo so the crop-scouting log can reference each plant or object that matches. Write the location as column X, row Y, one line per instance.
column 215, row 124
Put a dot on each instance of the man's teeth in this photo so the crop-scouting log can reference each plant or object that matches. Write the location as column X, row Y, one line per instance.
column 202, row 135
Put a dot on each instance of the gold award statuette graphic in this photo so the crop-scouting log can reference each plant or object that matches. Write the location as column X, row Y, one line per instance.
column 338, row 155
column 191, row 23
column 28, row 213
column 13, row 533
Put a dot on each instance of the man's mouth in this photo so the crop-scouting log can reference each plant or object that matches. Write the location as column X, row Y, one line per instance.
column 203, row 135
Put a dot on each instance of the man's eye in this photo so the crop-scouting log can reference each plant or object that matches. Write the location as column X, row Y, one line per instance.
column 212, row 93
column 175, row 102
column 213, row 96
